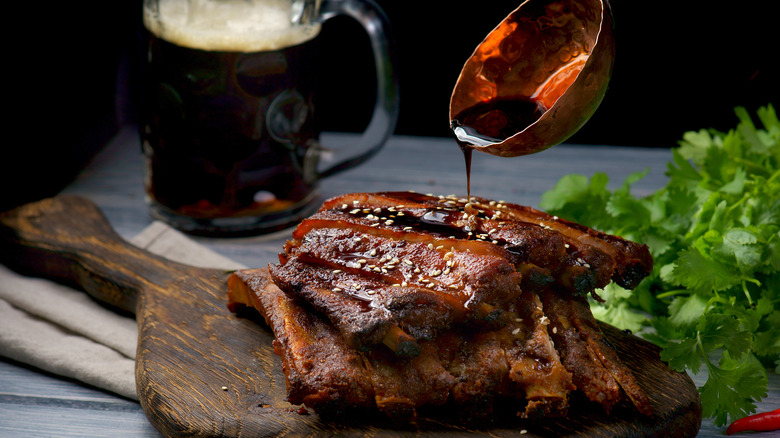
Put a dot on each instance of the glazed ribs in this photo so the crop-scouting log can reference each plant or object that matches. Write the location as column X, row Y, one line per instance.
column 421, row 301
column 470, row 369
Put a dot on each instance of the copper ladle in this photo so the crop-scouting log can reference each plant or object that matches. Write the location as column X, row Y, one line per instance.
column 536, row 78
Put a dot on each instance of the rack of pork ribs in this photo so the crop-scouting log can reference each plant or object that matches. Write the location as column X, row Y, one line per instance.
column 393, row 302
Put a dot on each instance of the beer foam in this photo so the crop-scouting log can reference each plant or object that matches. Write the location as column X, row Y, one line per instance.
column 232, row 25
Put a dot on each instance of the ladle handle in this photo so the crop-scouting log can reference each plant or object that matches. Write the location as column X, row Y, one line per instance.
column 385, row 115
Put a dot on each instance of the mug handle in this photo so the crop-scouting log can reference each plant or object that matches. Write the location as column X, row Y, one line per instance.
column 385, row 115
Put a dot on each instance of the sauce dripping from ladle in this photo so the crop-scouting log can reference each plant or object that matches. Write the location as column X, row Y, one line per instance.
column 492, row 122
column 534, row 80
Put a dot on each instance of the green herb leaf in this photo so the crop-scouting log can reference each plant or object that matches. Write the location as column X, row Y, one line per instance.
column 731, row 388
column 714, row 233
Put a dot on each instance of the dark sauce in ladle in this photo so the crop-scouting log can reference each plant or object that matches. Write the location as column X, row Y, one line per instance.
column 492, row 122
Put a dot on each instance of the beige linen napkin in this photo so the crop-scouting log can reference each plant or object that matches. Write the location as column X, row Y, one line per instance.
column 63, row 331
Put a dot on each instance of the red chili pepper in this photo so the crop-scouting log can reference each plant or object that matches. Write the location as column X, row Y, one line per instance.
column 762, row 422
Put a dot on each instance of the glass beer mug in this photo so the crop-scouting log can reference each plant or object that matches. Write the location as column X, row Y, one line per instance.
column 228, row 123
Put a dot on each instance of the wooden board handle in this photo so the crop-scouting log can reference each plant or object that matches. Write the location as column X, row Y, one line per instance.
column 68, row 239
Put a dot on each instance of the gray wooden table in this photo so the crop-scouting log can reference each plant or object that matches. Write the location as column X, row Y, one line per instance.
column 36, row 404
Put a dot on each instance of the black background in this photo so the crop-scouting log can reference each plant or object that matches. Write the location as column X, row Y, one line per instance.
column 680, row 66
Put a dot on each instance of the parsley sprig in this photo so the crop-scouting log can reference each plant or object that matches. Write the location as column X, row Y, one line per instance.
column 713, row 298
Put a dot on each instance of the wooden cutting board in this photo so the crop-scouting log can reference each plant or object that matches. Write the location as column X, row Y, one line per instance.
column 202, row 371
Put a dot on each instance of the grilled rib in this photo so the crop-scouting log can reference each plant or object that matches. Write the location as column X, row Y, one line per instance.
column 369, row 279
column 302, row 339
column 469, row 369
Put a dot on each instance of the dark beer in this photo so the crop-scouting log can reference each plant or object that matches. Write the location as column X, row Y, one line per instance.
column 230, row 137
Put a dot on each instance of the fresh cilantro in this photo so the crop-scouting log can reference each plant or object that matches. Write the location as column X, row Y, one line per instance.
column 713, row 298
column 722, row 395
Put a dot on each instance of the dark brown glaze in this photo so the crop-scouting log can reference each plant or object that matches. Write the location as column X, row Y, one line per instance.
column 580, row 258
column 631, row 261
column 367, row 279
